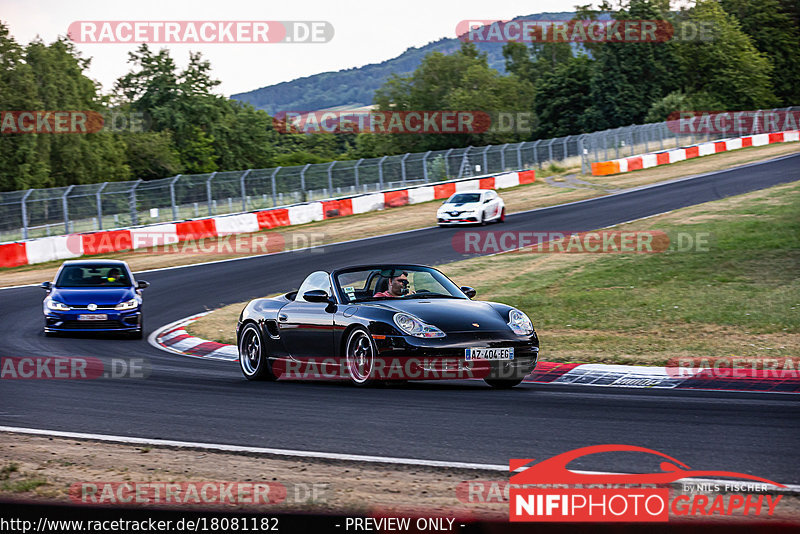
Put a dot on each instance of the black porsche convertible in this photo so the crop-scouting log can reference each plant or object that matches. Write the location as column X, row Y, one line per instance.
column 378, row 323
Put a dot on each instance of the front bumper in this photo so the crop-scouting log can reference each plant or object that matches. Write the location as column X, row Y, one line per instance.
column 410, row 358
column 446, row 219
column 116, row 321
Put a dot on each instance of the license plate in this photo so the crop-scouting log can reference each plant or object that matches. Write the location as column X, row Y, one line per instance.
column 489, row 354
column 93, row 317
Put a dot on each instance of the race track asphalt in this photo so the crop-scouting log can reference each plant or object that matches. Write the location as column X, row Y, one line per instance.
column 191, row 399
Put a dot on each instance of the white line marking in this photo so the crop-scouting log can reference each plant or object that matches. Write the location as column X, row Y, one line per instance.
column 790, row 488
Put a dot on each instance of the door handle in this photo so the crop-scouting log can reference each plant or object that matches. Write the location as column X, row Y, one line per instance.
column 282, row 316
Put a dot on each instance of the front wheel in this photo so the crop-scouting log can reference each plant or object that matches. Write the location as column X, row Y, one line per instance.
column 360, row 353
column 503, row 383
column 252, row 355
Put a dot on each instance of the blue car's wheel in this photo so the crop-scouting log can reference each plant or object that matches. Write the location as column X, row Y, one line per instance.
column 252, row 355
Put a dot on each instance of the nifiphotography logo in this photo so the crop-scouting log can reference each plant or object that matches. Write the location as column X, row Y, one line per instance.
column 548, row 491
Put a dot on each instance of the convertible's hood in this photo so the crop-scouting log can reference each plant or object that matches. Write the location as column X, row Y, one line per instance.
column 466, row 206
column 100, row 295
column 452, row 315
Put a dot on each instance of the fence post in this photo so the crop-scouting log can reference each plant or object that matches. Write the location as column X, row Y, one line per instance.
column 502, row 158
column 380, row 171
column 100, row 206
column 355, row 172
column 208, row 193
column 132, row 203
column 303, row 180
column 24, row 208
column 244, row 190
column 536, row 153
column 274, row 186
column 403, row 167
column 65, row 208
column 485, row 155
column 425, row 165
column 582, row 153
column 519, row 155
column 330, row 177
column 172, row 197
column 464, row 161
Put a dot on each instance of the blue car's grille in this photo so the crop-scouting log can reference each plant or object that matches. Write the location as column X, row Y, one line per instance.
column 84, row 325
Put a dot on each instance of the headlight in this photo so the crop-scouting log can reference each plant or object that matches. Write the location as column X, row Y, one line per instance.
column 415, row 327
column 519, row 323
column 56, row 305
column 127, row 305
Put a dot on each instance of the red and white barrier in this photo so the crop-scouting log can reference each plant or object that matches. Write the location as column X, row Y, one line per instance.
column 645, row 161
column 75, row 245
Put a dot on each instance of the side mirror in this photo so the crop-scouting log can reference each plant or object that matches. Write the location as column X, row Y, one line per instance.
column 487, row 200
column 46, row 285
column 141, row 284
column 316, row 295
column 468, row 291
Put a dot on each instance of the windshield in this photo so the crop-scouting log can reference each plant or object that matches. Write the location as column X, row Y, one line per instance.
column 394, row 281
column 97, row 275
column 463, row 198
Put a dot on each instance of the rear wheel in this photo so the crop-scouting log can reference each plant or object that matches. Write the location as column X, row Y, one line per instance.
column 502, row 215
column 253, row 358
column 503, row 383
column 360, row 353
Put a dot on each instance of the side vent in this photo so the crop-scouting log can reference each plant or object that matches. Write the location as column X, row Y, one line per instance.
column 272, row 328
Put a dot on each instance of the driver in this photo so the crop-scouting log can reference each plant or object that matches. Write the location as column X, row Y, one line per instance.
column 397, row 286
column 112, row 276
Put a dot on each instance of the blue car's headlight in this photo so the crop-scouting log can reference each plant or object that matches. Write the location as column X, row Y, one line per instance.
column 413, row 326
column 56, row 305
column 519, row 323
column 127, row 305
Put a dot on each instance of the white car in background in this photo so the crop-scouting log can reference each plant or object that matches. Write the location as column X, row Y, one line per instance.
column 472, row 207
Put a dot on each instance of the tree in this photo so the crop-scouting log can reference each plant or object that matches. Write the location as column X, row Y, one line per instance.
column 727, row 66
column 774, row 32
column 629, row 77
column 562, row 97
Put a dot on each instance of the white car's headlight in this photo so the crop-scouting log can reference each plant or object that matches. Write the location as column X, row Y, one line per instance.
column 56, row 305
column 127, row 305
column 519, row 323
column 413, row 326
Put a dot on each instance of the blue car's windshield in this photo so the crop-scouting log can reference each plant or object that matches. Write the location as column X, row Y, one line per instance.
column 93, row 275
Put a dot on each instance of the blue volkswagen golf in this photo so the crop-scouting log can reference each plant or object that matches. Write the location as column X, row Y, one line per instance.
column 94, row 296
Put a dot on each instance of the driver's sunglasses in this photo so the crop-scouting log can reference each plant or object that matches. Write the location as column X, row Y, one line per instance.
column 404, row 282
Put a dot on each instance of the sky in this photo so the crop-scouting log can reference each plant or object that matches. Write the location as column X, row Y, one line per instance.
column 365, row 32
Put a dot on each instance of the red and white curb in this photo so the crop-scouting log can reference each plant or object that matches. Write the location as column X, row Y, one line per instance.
column 653, row 159
column 174, row 338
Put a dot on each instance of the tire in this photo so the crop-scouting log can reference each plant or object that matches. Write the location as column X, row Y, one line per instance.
column 360, row 353
column 253, row 359
column 483, row 219
column 503, row 383
column 502, row 218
